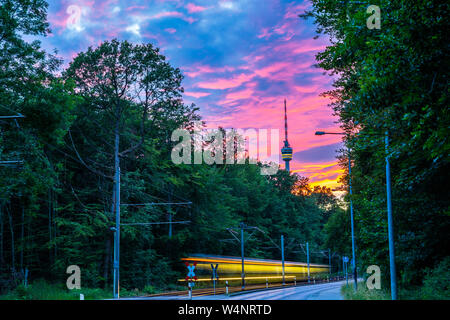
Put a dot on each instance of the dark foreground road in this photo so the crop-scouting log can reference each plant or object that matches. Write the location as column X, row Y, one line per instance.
column 324, row 291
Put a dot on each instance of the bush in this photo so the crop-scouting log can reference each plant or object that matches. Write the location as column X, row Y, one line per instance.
column 42, row 290
column 23, row 292
column 436, row 284
column 363, row 293
column 148, row 289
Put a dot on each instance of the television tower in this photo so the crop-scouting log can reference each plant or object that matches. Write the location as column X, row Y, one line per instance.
column 286, row 151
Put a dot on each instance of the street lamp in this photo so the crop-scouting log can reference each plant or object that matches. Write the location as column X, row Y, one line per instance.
column 390, row 221
column 355, row 274
column 321, row 133
column 392, row 267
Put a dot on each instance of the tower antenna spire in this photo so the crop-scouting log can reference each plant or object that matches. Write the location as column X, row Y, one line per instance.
column 286, row 151
column 285, row 122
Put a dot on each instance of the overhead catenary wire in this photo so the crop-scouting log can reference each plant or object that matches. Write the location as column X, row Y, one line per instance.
column 14, row 117
column 153, row 223
column 155, row 204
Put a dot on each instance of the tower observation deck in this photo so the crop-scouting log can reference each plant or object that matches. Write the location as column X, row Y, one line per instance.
column 286, row 151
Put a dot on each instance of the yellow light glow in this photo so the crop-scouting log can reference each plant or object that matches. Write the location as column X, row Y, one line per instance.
column 230, row 269
column 246, row 278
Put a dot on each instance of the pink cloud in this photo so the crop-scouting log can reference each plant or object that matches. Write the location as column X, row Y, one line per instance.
column 196, row 94
column 200, row 70
column 225, row 83
column 135, row 8
column 238, row 95
column 162, row 15
column 103, row 9
column 192, row 8
column 171, row 30
column 303, row 46
column 168, row 14
column 308, row 88
column 264, row 33
column 271, row 69
column 293, row 10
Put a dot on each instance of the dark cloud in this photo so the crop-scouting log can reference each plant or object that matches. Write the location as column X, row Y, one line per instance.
column 318, row 154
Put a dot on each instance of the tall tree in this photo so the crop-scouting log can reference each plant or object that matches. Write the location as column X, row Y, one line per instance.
column 393, row 79
column 28, row 86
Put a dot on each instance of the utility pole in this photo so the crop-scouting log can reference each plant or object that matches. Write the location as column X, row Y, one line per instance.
column 117, row 203
column 282, row 256
column 242, row 255
column 321, row 133
column 355, row 275
column 170, row 212
column 329, row 259
column 346, row 272
column 117, row 235
column 307, row 259
column 234, row 233
column 170, row 224
column 390, row 222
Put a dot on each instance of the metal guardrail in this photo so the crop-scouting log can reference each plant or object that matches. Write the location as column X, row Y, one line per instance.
column 234, row 291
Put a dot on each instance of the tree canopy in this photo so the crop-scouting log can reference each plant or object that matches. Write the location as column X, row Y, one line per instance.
column 393, row 79
column 57, row 208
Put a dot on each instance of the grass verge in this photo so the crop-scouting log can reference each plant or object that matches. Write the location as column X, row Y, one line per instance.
column 363, row 293
column 42, row 290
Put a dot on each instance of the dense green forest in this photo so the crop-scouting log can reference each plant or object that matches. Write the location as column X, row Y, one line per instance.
column 56, row 208
column 393, row 79
column 56, row 204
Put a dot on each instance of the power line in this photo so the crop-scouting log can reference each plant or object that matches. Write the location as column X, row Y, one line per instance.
column 151, row 223
column 12, row 162
column 13, row 117
column 233, row 232
column 9, row 109
column 155, row 204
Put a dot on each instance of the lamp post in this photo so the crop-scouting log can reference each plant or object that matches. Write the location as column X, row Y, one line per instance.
column 355, row 274
column 390, row 221
column 392, row 267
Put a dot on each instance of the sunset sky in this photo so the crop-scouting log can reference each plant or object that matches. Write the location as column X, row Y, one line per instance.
column 240, row 59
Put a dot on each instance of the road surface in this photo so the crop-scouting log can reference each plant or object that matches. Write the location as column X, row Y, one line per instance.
column 323, row 291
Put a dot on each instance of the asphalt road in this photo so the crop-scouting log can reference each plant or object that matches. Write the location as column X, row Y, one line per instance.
column 323, row 291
